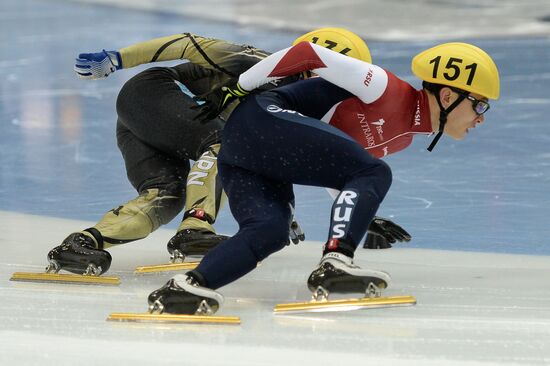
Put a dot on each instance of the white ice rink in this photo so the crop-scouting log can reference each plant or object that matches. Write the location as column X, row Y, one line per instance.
column 473, row 309
column 479, row 262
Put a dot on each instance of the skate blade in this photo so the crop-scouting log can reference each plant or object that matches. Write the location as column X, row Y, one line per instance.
column 166, row 267
column 65, row 278
column 173, row 318
column 345, row 304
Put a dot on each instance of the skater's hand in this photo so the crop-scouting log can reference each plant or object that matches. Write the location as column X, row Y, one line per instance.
column 216, row 101
column 382, row 233
column 97, row 65
column 296, row 233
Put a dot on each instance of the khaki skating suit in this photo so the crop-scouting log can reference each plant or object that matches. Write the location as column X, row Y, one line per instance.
column 158, row 137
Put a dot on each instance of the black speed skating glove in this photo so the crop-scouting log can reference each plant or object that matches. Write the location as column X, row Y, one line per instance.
column 217, row 100
column 382, row 233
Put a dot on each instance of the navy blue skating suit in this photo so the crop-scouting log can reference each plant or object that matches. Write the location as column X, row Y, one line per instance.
column 277, row 138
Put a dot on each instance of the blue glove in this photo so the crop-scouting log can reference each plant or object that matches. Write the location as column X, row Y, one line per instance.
column 97, row 65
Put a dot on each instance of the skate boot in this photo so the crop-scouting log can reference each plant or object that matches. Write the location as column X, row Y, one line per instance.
column 337, row 274
column 192, row 243
column 78, row 254
column 183, row 295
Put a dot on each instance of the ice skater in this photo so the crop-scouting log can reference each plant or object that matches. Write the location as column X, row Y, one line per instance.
column 158, row 137
column 294, row 135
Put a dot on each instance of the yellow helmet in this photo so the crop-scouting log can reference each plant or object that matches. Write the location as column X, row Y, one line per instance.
column 460, row 65
column 339, row 40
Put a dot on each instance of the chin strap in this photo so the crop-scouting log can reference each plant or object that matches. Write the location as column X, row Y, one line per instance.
column 443, row 114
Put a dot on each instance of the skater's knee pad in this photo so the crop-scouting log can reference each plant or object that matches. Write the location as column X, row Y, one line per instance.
column 141, row 216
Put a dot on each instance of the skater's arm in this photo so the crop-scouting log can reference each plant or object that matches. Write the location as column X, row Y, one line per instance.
column 211, row 53
column 227, row 58
column 366, row 81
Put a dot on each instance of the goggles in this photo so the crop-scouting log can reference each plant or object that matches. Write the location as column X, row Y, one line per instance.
column 479, row 106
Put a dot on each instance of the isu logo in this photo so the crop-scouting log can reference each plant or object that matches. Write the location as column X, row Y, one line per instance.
column 343, row 208
column 368, row 78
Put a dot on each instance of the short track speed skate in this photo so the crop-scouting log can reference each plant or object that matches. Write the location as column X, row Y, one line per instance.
column 185, row 244
column 181, row 299
column 78, row 255
column 337, row 274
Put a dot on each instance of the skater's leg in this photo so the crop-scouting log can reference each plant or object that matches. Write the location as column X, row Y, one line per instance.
column 161, row 183
column 177, row 136
column 196, row 235
column 291, row 147
column 157, row 137
column 205, row 195
column 261, row 208
column 263, row 137
column 158, row 173
column 131, row 221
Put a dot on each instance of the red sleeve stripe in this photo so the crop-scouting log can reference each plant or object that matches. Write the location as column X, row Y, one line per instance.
column 299, row 58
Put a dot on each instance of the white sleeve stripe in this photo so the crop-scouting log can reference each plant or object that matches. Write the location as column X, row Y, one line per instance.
column 367, row 81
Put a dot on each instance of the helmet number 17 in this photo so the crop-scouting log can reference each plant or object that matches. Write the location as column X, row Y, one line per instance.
column 330, row 45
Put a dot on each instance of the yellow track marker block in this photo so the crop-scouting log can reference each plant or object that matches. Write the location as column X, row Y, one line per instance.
column 345, row 304
column 166, row 267
column 173, row 318
column 65, row 278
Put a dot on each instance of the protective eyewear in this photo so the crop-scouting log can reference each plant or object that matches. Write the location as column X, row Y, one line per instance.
column 479, row 106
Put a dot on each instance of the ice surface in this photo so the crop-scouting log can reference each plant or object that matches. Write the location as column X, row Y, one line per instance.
column 473, row 308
